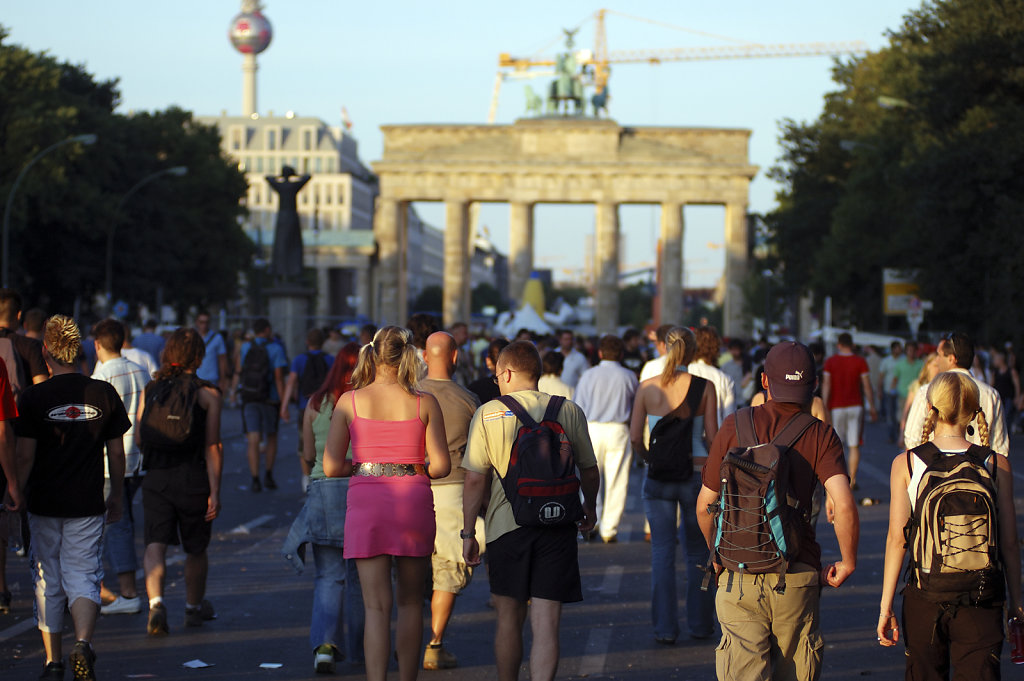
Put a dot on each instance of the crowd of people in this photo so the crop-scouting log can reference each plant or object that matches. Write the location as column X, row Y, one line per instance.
column 409, row 437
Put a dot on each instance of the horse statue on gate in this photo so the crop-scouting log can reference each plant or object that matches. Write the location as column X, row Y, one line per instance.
column 600, row 102
column 566, row 87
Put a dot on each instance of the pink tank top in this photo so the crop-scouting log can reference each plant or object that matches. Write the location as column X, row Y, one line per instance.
column 377, row 441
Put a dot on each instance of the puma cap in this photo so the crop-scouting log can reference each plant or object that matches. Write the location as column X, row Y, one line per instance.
column 790, row 370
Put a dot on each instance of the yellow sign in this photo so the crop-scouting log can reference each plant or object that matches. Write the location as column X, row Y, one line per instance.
column 899, row 287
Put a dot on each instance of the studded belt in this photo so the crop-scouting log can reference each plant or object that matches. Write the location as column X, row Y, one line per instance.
column 389, row 470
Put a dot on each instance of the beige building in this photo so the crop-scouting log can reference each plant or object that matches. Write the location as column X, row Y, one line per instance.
column 335, row 207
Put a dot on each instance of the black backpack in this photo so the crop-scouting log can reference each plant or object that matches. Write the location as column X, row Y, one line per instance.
column 254, row 378
column 168, row 419
column 313, row 374
column 952, row 534
column 541, row 482
column 758, row 523
column 670, row 454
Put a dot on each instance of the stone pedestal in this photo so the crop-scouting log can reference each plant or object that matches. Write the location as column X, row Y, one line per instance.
column 289, row 315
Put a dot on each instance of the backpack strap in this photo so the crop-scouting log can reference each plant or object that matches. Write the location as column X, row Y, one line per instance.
column 554, row 406
column 793, row 429
column 520, row 413
column 745, row 434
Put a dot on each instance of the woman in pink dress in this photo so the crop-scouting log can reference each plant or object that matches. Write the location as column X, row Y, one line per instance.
column 390, row 515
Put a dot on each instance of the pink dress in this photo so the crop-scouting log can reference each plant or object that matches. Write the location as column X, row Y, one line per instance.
column 391, row 515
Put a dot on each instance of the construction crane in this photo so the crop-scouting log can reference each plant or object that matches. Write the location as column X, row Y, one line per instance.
column 596, row 62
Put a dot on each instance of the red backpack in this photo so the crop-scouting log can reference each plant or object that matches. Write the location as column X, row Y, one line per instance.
column 541, row 482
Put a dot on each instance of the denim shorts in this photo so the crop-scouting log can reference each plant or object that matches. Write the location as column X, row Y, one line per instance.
column 260, row 417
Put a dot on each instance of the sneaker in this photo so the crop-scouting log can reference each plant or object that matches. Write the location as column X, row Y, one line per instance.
column 268, row 481
column 54, row 671
column 5, row 602
column 256, row 486
column 82, row 659
column 324, row 660
column 122, row 606
column 157, row 625
column 436, row 657
column 194, row 617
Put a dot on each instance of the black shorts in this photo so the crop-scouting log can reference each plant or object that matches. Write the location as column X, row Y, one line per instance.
column 535, row 562
column 175, row 501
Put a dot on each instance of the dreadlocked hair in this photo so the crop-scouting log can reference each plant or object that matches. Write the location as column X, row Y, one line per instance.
column 62, row 339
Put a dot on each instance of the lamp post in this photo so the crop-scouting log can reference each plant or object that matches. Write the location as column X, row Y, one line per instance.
column 177, row 171
column 4, row 269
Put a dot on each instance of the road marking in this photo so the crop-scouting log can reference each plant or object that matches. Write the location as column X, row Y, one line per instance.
column 248, row 527
column 19, row 628
column 612, row 580
column 593, row 662
column 873, row 471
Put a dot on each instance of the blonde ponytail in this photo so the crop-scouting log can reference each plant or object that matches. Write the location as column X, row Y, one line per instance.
column 681, row 345
column 366, row 367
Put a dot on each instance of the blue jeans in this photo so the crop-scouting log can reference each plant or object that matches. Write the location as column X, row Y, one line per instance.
column 337, row 598
column 661, row 500
column 119, row 537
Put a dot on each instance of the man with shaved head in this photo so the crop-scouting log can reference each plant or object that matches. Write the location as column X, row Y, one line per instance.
column 450, row 572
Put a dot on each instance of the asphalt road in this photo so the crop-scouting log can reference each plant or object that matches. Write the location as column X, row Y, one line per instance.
column 263, row 606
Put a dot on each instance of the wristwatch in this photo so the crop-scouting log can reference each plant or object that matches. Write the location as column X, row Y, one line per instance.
column 467, row 535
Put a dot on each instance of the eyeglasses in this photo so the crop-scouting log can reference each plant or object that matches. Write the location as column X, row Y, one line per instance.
column 499, row 373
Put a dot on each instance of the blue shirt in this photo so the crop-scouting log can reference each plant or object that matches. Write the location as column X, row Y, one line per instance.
column 299, row 365
column 278, row 360
column 209, row 370
column 151, row 343
column 605, row 393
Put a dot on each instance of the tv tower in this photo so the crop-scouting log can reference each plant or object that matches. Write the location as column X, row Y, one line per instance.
column 250, row 34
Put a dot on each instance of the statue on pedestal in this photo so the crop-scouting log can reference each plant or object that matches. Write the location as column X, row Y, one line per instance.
column 286, row 260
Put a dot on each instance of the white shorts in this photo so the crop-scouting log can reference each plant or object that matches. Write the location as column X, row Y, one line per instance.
column 449, row 569
column 847, row 422
column 66, row 565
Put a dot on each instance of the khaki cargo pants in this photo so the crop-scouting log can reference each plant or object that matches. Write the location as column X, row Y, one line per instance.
column 765, row 635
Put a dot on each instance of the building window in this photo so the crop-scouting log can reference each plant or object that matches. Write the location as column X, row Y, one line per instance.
column 330, row 165
column 328, row 198
column 307, row 140
column 259, row 164
column 271, row 139
column 318, row 165
column 236, row 138
column 305, row 165
column 341, row 194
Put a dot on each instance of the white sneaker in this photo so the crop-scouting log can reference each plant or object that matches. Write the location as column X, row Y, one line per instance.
column 122, row 606
column 323, row 660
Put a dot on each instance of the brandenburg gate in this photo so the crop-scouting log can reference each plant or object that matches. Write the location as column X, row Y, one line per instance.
column 566, row 160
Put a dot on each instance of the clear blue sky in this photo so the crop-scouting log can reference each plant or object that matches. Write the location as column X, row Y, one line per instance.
column 400, row 61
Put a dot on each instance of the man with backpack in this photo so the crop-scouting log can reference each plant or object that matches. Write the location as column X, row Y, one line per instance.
column 754, row 509
column 531, row 528
column 23, row 358
column 261, row 366
column 309, row 369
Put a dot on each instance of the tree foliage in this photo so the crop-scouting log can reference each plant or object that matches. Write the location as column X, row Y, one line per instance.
column 178, row 234
column 915, row 162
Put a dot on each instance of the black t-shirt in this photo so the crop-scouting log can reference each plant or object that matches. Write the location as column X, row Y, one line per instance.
column 70, row 417
column 30, row 352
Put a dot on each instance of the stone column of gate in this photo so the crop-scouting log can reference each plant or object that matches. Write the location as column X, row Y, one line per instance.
column 606, row 304
column 736, row 249
column 392, row 278
column 670, row 283
column 520, row 248
column 456, row 261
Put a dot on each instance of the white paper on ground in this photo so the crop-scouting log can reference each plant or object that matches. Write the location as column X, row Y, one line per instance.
column 196, row 664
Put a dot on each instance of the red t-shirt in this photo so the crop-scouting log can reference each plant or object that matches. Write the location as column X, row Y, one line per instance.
column 820, row 456
column 8, row 408
column 845, row 372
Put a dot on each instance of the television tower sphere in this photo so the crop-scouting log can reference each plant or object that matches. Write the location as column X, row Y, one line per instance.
column 250, row 32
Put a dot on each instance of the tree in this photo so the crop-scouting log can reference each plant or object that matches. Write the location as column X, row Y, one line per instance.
column 916, row 162
column 635, row 305
column 179, row 234
column 430, row 299
column 484, row 295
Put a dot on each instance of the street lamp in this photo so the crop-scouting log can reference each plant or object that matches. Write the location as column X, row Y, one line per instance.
column 177, row 171
column 4, row 270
